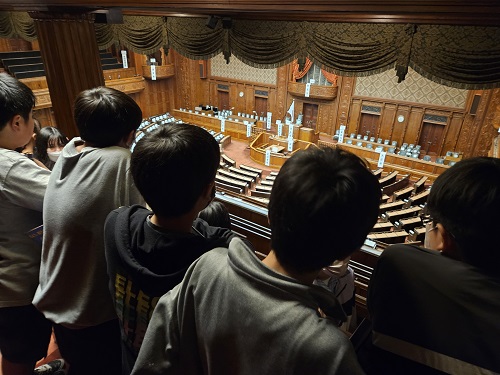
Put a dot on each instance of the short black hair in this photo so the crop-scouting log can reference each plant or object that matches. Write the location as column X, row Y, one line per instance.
column 104, row 116
column 465, row 199
column 216, row 215
column 172, row 165
column 323, row 203
column 15, row 99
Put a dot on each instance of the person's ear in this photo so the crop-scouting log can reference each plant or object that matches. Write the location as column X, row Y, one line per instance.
column 14, row 122
column 439, row 242
column 208, row 194
column 128, row 139
column 446, row 243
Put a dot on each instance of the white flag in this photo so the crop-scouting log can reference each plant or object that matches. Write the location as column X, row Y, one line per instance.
column 291, row 110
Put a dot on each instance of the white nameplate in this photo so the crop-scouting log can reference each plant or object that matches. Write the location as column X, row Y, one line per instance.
column 268, row 121
column 308, row 90
column 341, row 133
column 290, row 144
column 280, row 129
column 290, row 131
column 267, row 161
column 381, row 159
column 222, row 125
column 249, row 130
column 153, row 73
column 124, row 59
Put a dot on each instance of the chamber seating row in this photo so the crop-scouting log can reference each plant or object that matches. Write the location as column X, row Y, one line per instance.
column 29, row 64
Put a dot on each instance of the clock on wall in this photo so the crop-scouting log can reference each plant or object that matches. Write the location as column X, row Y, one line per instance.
column 401, row 118
column 241, row 94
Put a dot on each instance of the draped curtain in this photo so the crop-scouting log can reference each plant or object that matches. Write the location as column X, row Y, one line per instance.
column 297, row 73
column 17, row 24
column 466, row 57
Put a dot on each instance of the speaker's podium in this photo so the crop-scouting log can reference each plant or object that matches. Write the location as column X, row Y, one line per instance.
column 308, row 135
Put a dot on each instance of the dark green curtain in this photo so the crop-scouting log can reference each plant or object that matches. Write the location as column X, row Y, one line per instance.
column 465, row 57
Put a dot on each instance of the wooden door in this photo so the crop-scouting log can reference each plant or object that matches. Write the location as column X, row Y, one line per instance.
column 223, row 100
column 310, row 115
column 368, row 125
column 261, row 106
column 431, row 138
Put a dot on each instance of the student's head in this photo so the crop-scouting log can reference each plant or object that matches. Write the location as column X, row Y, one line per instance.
column 105, row 116
column 49, row 144
column 16, row 108
column 174, row 166
column 323, row 204
column 464, row 203
column 216, row 215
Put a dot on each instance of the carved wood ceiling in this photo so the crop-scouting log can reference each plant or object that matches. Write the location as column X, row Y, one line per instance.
column 450, row 12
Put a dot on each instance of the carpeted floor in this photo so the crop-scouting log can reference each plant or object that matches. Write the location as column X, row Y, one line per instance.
column 240, row 152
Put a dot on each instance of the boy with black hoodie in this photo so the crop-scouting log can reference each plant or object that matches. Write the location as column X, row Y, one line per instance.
column 148, row 252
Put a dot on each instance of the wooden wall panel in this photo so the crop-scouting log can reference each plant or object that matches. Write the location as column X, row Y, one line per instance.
column 413, row 126
column 344, row 96
column 5, row 45
column 387, row 122
column 355, row 108
column 488, row 120
column 412, row 118
column 459, row 12
column 452, row 133
column 326, row 117
column 278, row 103
column 45, row 116
column 64, row 40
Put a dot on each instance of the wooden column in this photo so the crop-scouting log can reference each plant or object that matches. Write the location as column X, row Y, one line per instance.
column 70, row 55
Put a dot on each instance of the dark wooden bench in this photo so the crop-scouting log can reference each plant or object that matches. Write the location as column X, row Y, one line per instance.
column 229, row 181
column 225, row 187
column 243, row 172
column 382, row 227
column 396, row 215
column 391, row 206
column 419, row 185
column 263, row 188
column 403, row 193
column 392, row 237
column 396, row 185
column 389, row 179
column 419, row 199
column 251, row 169
column 408, row 223
column 228, row 161
column 260, row 194
column 236, row 176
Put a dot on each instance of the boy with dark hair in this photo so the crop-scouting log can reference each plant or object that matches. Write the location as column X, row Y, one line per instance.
column 90, row 179
column 233, row 314
column 24, row 332
column 435, row 309
column 148, row 252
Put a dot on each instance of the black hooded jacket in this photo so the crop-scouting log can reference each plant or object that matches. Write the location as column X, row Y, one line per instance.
column 145, row 261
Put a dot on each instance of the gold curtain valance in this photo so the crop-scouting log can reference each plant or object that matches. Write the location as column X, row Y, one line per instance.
column 17, row 24
column 466, row 57
column 139, row 34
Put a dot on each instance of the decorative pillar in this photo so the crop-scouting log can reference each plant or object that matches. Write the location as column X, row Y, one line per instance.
column 70, row 55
